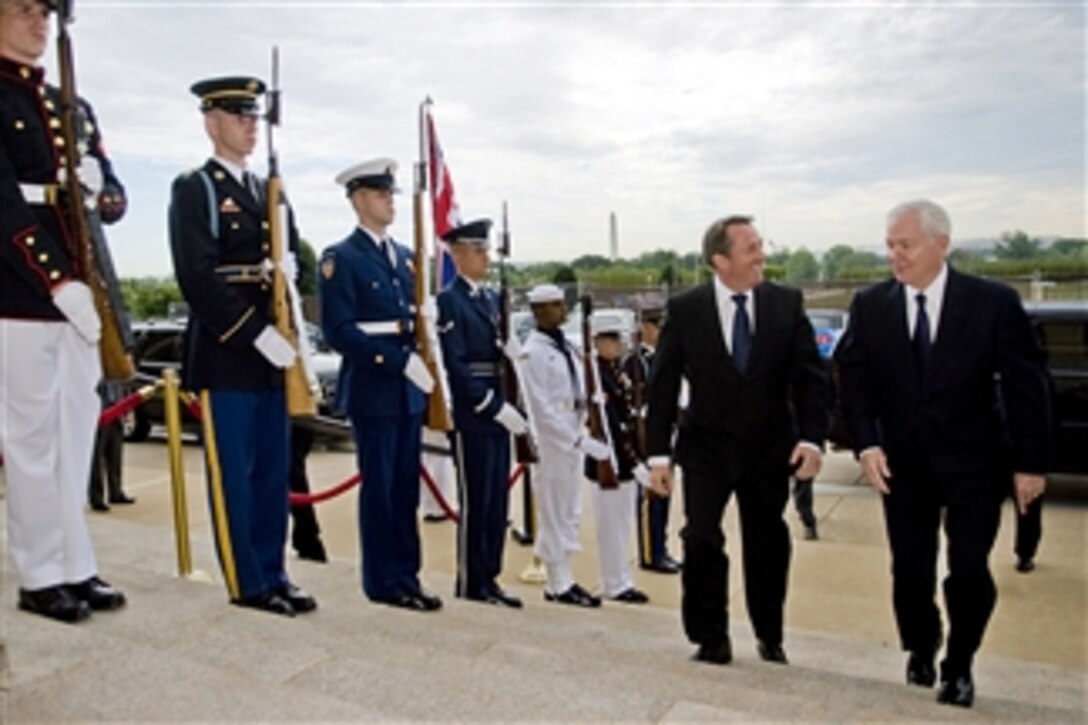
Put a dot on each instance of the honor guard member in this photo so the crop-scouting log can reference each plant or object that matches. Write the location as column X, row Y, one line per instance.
column 555, row 394
column 653, row 510
column 468, row 329
column 234, row 356
column 48, row 404
column 612, row 506
column 367, row 314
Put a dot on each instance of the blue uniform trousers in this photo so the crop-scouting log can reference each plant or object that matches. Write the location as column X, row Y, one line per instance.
column 388, row 451
column 483, row 466
column 245, row 445
column 653, row 516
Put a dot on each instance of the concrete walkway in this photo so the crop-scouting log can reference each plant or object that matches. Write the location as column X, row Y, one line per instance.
column 180, row 653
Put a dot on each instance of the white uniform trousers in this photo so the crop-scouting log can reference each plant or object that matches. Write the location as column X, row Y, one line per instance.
column 557, row 480
column 48, row 415
column 612, row 509
column 442, row 471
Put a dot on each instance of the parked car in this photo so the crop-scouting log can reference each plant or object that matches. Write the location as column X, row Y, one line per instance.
column 828, row 325
column 1062, row 331
column 159, row 345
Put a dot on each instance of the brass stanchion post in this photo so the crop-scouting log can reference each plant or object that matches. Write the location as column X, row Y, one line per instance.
column 172, row 412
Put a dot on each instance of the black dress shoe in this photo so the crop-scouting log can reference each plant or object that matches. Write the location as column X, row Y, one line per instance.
column 772, row 653
column 576, row 596
column 55, row 603
column 99, row 506
column 810, row 532
column 98, row 595
column 666, row 565
column 1025, row 565
column 267, row 602
column 312, row 551
column 716, row 653
column 299, row 599
column 418, row 601
column 958, row 691
column 122, row 498
column 498, row 596
column 631, row 596
column 435, row 518
column 920, row 670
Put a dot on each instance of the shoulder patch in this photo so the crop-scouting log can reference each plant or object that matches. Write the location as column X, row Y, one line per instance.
column 328, row 266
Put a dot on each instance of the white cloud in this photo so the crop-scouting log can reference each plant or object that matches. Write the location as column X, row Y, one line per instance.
column 816, row 118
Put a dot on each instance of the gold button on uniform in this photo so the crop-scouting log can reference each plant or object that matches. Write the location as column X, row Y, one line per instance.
column 29, row 241
column 19, row 125
column 379, row 359
column 54, row 274
column 43, row 257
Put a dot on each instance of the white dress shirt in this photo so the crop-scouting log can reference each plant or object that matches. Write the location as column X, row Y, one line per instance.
column 727, row 310
column 934, row 298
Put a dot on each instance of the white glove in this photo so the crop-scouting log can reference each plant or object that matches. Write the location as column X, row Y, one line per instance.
column 429, row 311
column 289, row 266
column 275, row 347
column 90, row 176
column 75, row 301
column 642, row 475
column 510, row 419
column 512, row 348
column 595, row 449
column 416, row 371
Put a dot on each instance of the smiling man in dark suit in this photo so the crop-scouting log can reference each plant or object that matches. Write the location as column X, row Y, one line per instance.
column 756, row 416
column 937, row 437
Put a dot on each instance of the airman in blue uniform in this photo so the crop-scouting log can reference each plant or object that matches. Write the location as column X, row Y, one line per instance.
column 367, row 315
column 234, row 357
column 468, row 318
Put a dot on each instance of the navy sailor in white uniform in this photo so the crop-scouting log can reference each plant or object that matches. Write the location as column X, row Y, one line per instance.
column 367, row 315
column 468, row 330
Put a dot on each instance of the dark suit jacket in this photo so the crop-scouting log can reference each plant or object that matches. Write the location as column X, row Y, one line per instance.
column 731, row 418
column 468, row 332
column 226, row 313
column 358, row 284
column 950, row 419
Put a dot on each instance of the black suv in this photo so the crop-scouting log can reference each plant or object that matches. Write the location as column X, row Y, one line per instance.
column 159, row 345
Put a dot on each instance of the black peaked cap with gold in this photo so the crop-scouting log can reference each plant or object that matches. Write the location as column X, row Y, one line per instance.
column 233, row 94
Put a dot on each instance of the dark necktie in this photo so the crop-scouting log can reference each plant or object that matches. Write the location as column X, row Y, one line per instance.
column 742, row 333
column 252, row 185
column 922, row 339
column 384, row 245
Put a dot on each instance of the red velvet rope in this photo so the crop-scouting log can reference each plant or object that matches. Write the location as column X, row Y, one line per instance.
column 130, row 402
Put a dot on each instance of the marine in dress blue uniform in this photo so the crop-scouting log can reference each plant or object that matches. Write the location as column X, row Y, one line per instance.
column 468, row 329
column 234, row 356
column 367, row 315
column 47, row 400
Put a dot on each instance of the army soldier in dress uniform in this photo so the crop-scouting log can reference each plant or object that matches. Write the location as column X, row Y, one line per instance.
column 557, row 408
column 653, row 510
column 234, row 356
column 612, row 506
column 48, row 404
column 483, row 420
column 367, row 314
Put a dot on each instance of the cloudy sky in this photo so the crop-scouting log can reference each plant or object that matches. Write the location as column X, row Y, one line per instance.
column 814, row 117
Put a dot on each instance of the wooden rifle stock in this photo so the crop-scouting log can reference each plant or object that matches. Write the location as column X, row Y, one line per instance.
column 301, row 400
column 638, row 384
column 596, row 418
column 438, row 412
column 116, row 342
column 525, row 450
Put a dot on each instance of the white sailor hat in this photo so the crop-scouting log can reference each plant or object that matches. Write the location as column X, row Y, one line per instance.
column 608, row 324
column 544, row 293
column 374, row 174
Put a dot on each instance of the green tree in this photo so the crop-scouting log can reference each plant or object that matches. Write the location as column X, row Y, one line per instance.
column 307, row 262
column 1017, row 245
column 591, row 261
column 149, row 296
column 833, row 258
column 1069, row 247
column 802, row 267
column 565, row 275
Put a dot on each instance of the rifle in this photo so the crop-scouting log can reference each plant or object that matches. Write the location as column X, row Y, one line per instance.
column 525, row 449
column 92, row 254
column 300, row 381
column 597, row 416
column 438, row 412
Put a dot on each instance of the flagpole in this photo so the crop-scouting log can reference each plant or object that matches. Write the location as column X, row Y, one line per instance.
column 421, row 184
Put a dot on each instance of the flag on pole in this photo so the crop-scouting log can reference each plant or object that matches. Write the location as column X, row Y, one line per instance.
column 446, row 213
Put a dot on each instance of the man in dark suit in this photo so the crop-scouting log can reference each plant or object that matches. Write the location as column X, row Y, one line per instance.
column 468, row 328
column 755, row 417
column 918, row 364
column 367, row 314
column 234, row 357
